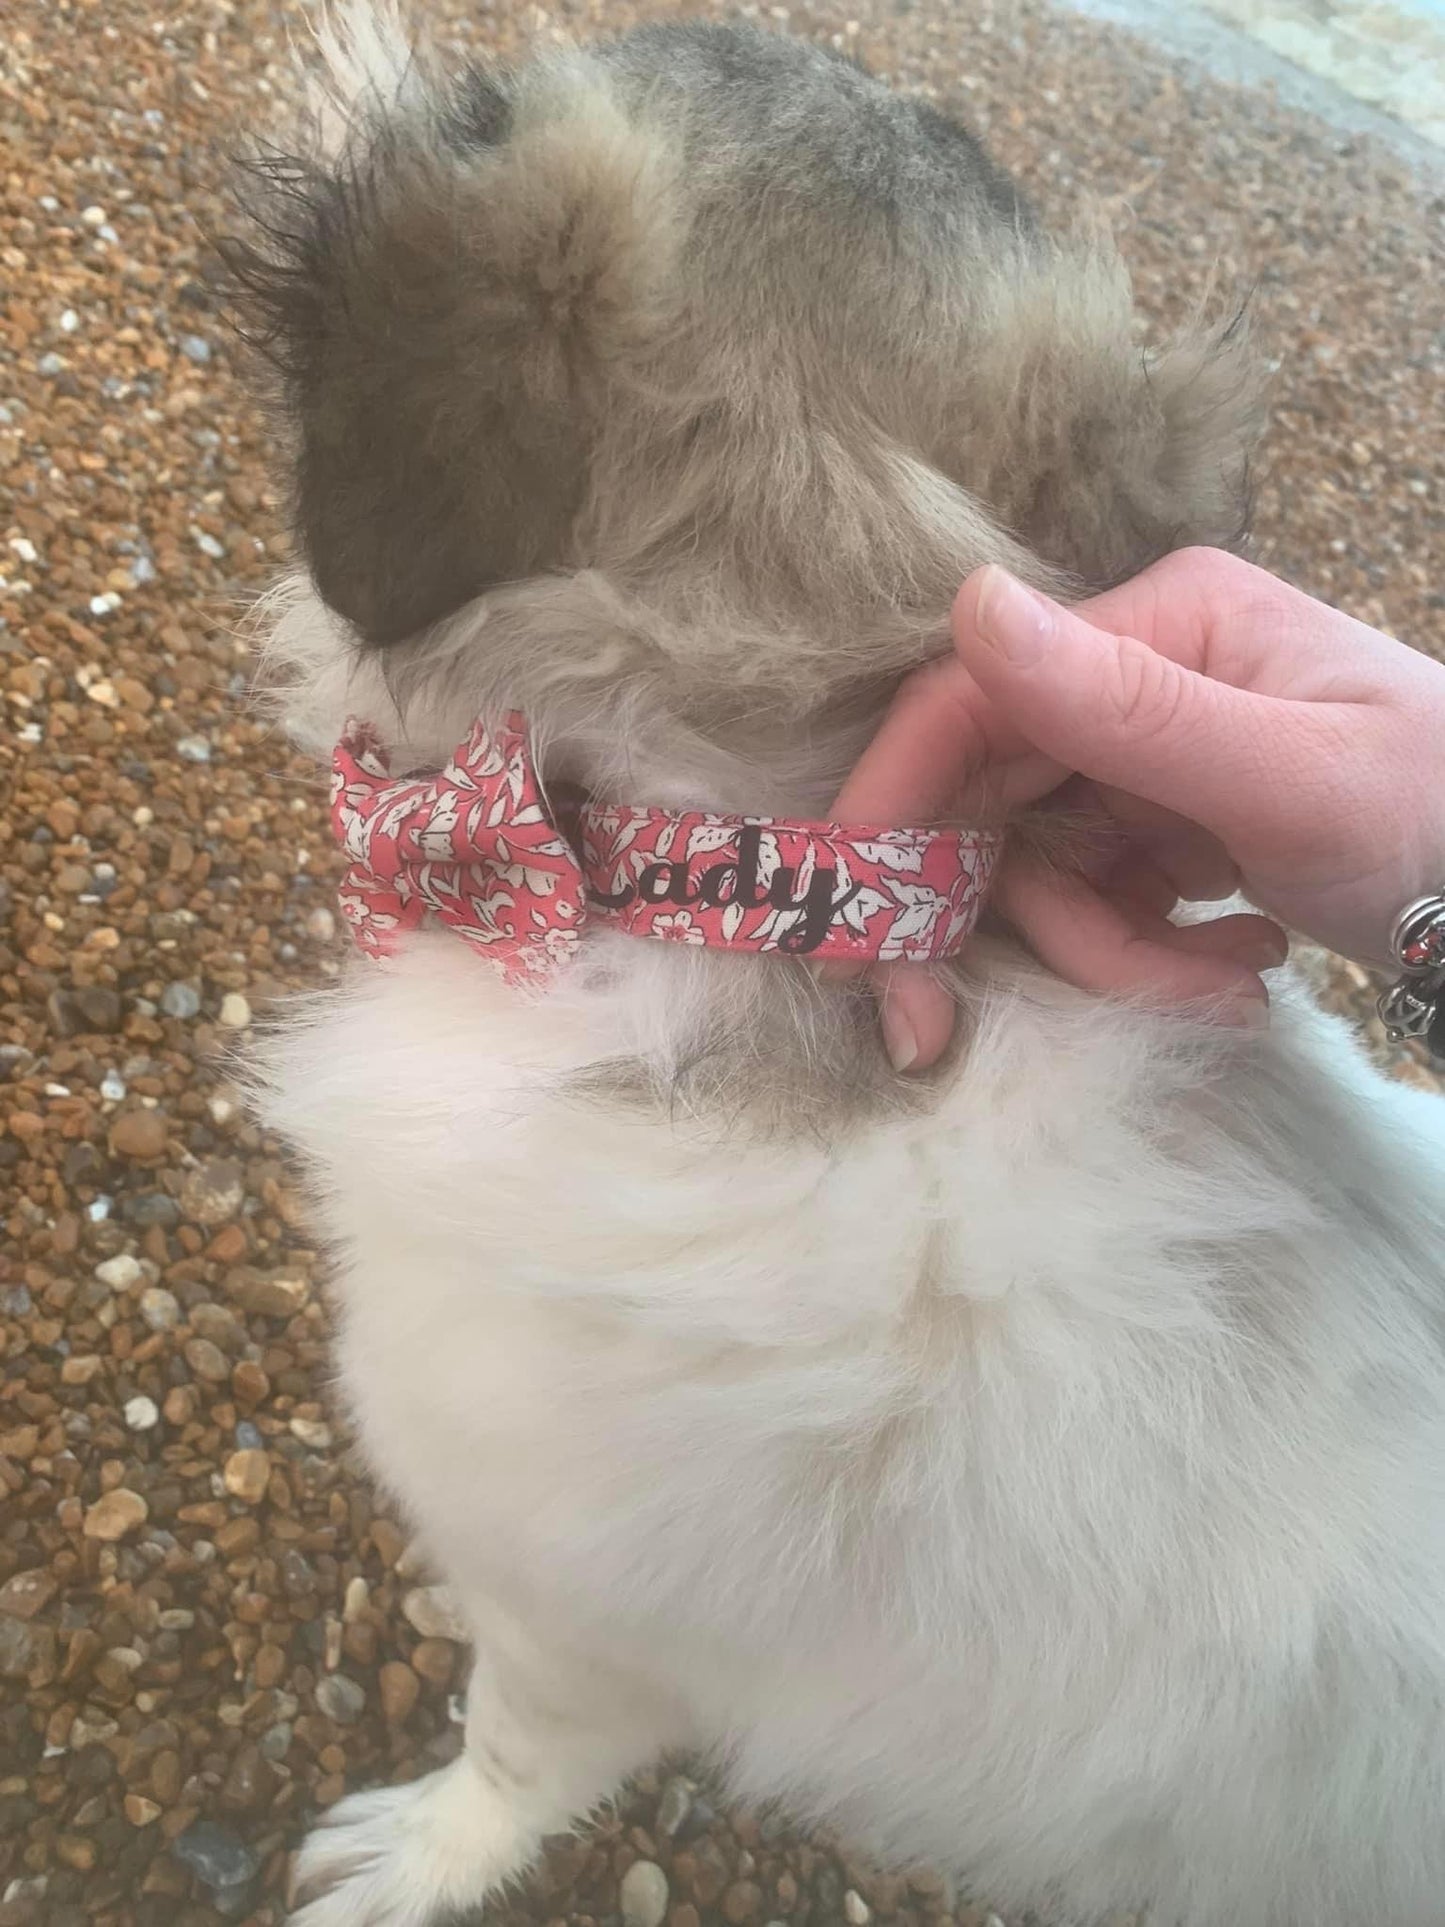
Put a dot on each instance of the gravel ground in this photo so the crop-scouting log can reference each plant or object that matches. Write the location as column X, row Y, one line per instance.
column 208, row 1625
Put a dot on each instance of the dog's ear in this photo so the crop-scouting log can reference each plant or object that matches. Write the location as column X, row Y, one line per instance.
column 1168, row 470
column 443, row 280
column 1100, row 456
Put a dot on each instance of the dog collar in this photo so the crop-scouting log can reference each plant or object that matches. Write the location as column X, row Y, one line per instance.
column 475, row 848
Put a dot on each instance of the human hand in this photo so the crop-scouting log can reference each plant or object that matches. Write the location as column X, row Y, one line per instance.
column 1231, row 732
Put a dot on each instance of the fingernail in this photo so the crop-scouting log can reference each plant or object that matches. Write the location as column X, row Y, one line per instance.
column 1268, row 954
column 1253, row 1011
column 899, row 1039
column 1012, row 618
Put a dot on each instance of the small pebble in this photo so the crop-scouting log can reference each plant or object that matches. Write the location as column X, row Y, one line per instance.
column 139, row 1133
column 115, row 1514
column 160, row 1308
column 181, row 1000
column 120, row 1273
column 216, row 1856
column 399, row 1688
column 206, row 1360
column 27, row 1593
column 246, row 1475
column 142, row 1414
column 213, row 1193
column 235, row 1011
column 152, row 1207
column 435, row 1660
column 434, row 1613
column 340, row 1699
column 643, row 1895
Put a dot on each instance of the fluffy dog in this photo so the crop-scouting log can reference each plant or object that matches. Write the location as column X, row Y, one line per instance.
column 1037, row 1468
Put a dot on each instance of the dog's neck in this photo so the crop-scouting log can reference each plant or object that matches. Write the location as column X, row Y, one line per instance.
column 746, row 1042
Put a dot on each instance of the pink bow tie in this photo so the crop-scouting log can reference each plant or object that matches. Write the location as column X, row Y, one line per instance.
column 475, row 847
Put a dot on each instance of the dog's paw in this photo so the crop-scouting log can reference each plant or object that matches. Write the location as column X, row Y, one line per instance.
column 406, row 1856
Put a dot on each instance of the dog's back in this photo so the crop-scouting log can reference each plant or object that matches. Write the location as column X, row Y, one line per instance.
column 1038, row 1468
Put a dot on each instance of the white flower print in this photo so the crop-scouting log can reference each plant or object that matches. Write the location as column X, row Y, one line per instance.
column 906, row 856
column 711, row 833
column 858, row 912
column 677, row 929
column 521, row 876
column 910, row 931
column 434, row 839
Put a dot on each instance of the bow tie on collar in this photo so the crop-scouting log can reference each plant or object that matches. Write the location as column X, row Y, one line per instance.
column 475, row 848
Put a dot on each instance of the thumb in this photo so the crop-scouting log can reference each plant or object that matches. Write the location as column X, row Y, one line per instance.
column 1120, row 712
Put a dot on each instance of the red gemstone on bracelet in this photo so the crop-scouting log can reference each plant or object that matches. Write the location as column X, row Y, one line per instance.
column 1427, row 949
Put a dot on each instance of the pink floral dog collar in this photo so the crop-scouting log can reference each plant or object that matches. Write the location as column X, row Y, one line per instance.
column 474, row 847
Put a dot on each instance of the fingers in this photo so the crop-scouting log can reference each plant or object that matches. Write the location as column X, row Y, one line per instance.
column 1138, row 880
column 1255, row 942
column 1122, row 713
column 1113, row 947
column 917, row 1014
column 942, row 750
column 1217, row 615
column 1198, row 865
column 1035, row 692
column 1122, row 945
column 1113, row 950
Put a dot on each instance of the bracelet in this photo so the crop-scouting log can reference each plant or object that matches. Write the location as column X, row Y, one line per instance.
column 1415, row 1007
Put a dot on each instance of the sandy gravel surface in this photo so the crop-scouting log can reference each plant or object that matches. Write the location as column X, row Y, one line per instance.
column 208, row 1626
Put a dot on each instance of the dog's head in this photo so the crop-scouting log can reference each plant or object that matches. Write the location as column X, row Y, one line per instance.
column 668, row 389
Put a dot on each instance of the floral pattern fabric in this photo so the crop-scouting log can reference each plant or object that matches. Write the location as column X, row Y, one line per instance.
column 474, row 847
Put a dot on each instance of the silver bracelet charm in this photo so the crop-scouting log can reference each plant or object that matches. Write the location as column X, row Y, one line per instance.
column 1415, row 1007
